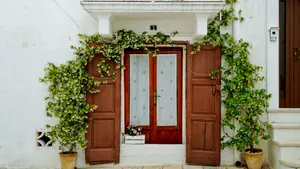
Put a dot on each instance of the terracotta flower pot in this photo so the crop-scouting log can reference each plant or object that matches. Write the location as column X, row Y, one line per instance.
column 254, row 160
column 68, row 161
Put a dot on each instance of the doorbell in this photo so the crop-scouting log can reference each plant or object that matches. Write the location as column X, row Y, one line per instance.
column 273, row 34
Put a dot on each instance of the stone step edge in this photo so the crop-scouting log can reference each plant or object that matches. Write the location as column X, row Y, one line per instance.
column 287, row 143
column 282, row 125
column 290, row 163
column 284, row 110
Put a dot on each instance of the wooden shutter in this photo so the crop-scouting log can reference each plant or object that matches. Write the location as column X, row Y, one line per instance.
column 104, row 129
column 203, row 107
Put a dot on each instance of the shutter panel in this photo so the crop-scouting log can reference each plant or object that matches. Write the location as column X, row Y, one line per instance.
column 203, row 107
column 104, row 129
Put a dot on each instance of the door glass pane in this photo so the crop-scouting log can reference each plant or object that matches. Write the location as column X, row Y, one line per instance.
column 139, row 89
column 167, row 90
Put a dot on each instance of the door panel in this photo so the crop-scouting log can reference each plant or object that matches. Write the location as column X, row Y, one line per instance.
column 203, row 107
column 141, row 66
column 139, row 89
column 103, row 135
column 166, row 90
column 156, row 86
column 101, row 126
column 203, row 99
column 170, row 133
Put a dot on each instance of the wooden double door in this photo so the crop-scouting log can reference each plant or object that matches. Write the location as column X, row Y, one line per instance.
column 153, row 94
column 153, row 98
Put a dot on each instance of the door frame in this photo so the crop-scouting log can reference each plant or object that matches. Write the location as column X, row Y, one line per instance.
column 153, row 85
column 282, row 101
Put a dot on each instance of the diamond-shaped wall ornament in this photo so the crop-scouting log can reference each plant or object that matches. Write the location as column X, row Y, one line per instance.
column 42, row 140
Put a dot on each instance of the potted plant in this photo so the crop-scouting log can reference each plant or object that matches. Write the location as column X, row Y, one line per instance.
column 252, row 129
column 134, row 135
column 68, row 106
column 245, row 103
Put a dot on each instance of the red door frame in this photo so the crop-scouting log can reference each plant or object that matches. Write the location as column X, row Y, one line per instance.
column 157, row 134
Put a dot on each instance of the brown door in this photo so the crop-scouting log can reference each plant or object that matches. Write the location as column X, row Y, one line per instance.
column 290, row 55
column 104, row 129
column 203, row 107
column 153, row 90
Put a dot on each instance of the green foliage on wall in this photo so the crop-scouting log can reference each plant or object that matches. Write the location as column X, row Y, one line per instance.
column 244, row 102
column 70, row 82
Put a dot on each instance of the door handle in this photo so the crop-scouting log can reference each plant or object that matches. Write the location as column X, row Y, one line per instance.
column 295, row 53
column 155, row 96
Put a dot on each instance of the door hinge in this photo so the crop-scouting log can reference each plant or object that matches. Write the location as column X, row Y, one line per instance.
column 216, row 89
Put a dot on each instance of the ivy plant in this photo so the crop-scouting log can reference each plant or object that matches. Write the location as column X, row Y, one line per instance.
column 68, row 86
column 69, row 83
column 243, row 101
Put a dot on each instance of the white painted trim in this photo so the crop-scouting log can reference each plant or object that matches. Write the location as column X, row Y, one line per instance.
column 290, row 163
column 157, row 1
column 184, row 57
column 287, row 143
column 193, row 6
column 202, row 22
column 273, row 54
column 283, row 125
column 104, row 24
column 284, row 110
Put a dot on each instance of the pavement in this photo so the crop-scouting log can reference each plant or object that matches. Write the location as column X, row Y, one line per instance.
column 169, row 167
column 164, row 167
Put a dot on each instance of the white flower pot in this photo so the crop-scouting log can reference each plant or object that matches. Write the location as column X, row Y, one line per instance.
column 134, row 139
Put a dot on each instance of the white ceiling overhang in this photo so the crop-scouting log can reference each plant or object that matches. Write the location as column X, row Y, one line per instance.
column 194, row 6
column 106, row 10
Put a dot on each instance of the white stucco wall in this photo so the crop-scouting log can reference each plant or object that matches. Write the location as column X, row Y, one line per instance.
column 254, row 30
column 34, row 32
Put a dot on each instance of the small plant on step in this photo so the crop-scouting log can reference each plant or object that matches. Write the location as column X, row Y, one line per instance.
column 134, row 130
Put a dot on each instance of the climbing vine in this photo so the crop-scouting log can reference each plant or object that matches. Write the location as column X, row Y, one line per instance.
column 70, row 82
column 243, row 101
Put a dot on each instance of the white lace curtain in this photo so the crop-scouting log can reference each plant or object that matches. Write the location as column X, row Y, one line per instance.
column 139, row 89
column 166, row 89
